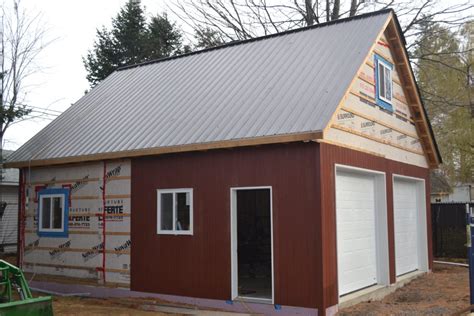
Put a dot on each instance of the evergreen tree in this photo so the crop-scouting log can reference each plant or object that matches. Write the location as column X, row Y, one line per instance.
column 129, row 33
column 103, row 60
column 130, row 41
column 164, row 38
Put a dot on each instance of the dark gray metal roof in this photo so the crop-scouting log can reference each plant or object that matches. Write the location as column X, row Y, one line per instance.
column 276, row 85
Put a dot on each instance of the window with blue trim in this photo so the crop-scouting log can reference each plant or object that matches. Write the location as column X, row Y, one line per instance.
column 53, row 206
column 383, row 75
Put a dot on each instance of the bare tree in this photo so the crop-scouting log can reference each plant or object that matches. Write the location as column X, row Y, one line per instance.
column 244, row 19
column 22, row 38
column 354, row 6
column 310, row 16
column 335, row 10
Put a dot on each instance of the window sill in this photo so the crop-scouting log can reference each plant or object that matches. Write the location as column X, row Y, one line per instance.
column 62, row 234
column 176, row 233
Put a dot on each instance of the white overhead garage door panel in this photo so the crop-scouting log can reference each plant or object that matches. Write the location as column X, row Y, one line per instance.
column 356, row 242
column 405, row 205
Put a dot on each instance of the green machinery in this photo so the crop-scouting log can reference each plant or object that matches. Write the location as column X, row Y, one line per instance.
column 15, row 295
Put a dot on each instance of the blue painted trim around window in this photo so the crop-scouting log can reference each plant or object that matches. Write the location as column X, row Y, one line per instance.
column 383, row 104
column 65, row 232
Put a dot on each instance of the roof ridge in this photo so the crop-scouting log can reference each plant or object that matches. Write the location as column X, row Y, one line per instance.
column 241, row 42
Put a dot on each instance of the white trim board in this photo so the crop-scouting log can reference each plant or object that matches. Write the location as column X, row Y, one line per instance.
column 234, row 246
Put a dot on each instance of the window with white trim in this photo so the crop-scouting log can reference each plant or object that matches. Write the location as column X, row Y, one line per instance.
column 175, row 211
column 384, row 82
column 53, row 212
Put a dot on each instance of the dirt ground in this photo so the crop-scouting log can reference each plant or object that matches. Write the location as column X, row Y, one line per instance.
column 90, row 306
column 443, row 292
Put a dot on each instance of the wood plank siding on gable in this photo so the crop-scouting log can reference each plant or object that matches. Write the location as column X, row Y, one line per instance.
column 361, row 123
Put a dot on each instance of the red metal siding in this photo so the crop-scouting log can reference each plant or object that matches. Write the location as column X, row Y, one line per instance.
column 199, row 265
column 331, row 155
column 305, row 254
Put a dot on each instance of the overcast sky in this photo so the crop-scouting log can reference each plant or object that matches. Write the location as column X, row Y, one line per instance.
column 63, row 79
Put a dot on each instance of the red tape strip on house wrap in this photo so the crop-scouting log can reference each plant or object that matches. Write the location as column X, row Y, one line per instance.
column 103, row 219
column 104, row 181
column 21, row 219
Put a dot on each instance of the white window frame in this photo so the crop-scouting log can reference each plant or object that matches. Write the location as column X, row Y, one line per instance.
column 40, row 213
column 174, row 231
column 387, row 67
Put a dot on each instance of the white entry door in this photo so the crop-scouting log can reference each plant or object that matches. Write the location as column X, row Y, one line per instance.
column 356, row 231
column 407, row 225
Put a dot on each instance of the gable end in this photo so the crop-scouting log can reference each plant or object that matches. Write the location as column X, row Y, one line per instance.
column 381, row 111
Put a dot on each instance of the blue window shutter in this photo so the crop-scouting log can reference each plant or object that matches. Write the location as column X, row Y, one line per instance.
column 382, row 103
column 65, row 232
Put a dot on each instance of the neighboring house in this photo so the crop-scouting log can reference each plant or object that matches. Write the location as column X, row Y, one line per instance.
column 443, row 192
column 463, row 192
column 8, row 208
column 290, row 169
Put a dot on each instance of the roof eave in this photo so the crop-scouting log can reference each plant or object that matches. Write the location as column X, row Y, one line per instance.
column 243, row 142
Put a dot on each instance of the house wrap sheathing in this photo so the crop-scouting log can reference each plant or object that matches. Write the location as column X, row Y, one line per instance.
column 359, row 120
column 81, row 253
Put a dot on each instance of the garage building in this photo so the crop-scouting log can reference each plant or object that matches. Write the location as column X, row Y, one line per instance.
column 291, row 169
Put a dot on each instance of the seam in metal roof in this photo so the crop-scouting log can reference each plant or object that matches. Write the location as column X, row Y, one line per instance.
column 281, row 84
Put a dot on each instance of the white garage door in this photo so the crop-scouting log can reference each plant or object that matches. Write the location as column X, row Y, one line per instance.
column 405, row 208
column 356, row 242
